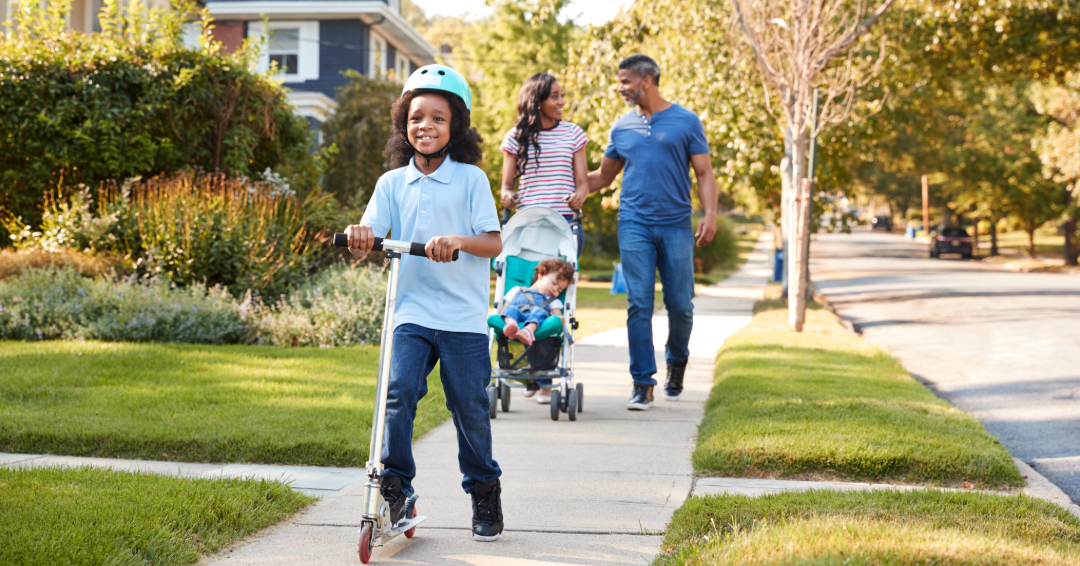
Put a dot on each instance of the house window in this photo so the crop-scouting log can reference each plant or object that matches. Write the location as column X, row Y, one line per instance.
column 401, row 68
column 293, row 46
column 285, row 50
column 378, row 57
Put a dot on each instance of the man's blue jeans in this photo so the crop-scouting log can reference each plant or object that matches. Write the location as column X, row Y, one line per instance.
column 465, row 369
column 644, row 249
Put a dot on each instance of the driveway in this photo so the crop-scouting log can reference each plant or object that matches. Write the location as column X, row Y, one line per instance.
column 1003, row 346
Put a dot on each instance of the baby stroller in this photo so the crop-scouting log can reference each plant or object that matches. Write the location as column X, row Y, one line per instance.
column 531, row 236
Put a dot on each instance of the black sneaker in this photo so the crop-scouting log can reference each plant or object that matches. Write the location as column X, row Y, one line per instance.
column 487, row 518
column 390, row 487
column 675, row 373
column 641, row 399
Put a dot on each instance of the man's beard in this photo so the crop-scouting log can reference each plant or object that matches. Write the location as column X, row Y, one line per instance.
column 631, row 97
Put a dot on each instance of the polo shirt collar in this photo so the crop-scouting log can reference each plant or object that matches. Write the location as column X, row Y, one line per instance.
column 443, row 174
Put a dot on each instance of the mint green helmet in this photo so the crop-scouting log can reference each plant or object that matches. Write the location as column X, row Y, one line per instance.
column 440, row 77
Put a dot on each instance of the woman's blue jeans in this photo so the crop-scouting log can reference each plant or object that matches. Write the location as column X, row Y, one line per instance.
column 465, row 369
column 644, row 249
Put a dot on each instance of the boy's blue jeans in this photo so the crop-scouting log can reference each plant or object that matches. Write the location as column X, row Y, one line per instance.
column 644, row 249
column 465, row 369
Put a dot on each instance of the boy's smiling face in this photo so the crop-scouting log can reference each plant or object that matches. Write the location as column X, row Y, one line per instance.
column 429, row 123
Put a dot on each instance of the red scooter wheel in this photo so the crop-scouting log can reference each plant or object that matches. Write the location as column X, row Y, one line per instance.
column 365, row 544
column 409, row 533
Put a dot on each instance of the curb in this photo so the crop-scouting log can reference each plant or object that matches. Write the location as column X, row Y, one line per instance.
column 1042, row 488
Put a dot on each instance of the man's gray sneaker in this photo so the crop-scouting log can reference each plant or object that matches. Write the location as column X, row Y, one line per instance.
column 675, row 373
column 641, row 399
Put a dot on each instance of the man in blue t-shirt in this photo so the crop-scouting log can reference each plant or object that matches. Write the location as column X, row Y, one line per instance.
column 655, row 145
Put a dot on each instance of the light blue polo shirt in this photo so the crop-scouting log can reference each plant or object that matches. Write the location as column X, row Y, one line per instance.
column 455, row 200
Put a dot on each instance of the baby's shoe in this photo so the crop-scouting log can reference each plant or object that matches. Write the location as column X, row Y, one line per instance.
column 525, row 335
column 510, row 330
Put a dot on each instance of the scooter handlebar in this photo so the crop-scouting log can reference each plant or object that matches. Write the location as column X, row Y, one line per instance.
column 415, row 248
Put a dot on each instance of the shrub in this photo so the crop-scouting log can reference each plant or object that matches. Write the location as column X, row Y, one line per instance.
column 193, row 228
column 13, row 263
column 722, row 250
column 359, row 129
column 340, row 306
column 129, row 101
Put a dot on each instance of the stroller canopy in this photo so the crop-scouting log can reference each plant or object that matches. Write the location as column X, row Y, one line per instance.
column 536, row 234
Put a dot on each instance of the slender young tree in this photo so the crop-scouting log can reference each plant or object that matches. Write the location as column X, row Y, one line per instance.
column 800, row 46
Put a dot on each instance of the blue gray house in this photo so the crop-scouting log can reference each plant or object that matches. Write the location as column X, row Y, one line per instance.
column 313, row 41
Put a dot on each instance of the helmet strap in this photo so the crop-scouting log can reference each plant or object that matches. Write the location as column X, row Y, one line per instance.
column 429, row 156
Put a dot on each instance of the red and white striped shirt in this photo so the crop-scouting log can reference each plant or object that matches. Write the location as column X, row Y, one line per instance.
column 548, row 184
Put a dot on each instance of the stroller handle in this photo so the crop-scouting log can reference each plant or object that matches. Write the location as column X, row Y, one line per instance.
column 411, row 248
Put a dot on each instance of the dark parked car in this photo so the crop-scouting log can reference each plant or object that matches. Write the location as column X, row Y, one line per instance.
column 881, row 223
column 952, row 240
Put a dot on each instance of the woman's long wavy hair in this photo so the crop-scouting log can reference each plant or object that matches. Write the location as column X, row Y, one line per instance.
column 536, row 89
column 464, row 139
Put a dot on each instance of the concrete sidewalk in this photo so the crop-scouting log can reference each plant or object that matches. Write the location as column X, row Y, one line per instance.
column 592, row 492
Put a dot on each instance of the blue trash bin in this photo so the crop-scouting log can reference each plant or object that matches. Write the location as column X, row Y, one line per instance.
column 910, row 232
column 618, row 281
column 778, row 265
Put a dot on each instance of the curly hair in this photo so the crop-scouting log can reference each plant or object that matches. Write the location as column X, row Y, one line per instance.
column 464, row 139
column 560, row 268
column 536, row 89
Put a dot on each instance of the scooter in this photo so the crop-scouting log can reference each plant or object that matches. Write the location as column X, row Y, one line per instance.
column 376, row 528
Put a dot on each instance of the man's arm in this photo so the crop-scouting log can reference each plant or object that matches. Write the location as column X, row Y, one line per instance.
column 706, row 183
column 605, row 175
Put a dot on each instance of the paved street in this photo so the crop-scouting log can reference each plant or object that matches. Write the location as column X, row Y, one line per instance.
column 1003, row 346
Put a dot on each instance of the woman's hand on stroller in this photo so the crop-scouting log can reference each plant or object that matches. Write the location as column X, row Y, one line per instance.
column 442, row 248
column 361, row 239
column 576, row 200
column 509, row 198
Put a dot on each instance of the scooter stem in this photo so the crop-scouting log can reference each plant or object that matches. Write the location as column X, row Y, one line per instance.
column 382, row 387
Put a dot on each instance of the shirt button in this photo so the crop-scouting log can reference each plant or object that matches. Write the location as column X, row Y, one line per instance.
column 423, row 212
column 425, row 196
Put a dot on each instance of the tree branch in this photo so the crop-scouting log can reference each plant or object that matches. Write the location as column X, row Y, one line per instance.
column 854, row 34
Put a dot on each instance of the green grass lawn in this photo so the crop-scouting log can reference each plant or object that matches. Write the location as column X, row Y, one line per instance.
column 194, row 403
column 93, row 517
column 826, row 403
column 1048, row 243
column 881, row 527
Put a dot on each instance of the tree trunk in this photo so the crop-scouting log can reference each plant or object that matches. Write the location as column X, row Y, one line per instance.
column 975, row 237
column 1070, row 242
column 799, row 242
column 785, row 219
column 1030, row 229
column 993, row 236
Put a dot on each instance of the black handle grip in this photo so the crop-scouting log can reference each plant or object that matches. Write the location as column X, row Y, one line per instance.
column 415, row 248
column 506, row 216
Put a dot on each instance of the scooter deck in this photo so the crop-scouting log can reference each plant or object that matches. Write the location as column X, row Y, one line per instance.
column 402, row 526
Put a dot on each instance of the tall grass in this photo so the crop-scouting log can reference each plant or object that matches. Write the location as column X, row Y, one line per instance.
column 192, row 227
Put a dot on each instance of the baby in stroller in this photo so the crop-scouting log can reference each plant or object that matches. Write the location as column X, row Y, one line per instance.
column 527, row 308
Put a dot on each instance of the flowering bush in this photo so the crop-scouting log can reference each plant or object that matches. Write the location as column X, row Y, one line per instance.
column 341, row 306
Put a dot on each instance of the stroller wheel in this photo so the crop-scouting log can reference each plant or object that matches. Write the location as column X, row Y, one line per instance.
column 504, row 396
column 555, row 404
column 571, row 405
column 580, row 396
column 493, row 402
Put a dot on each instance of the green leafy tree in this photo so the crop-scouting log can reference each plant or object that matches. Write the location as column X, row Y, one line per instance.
column 132, row 101
column 359, row 129
column 1058, row 145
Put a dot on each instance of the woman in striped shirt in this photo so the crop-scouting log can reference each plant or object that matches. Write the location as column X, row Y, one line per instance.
column 545, row 158
column 542, row 155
